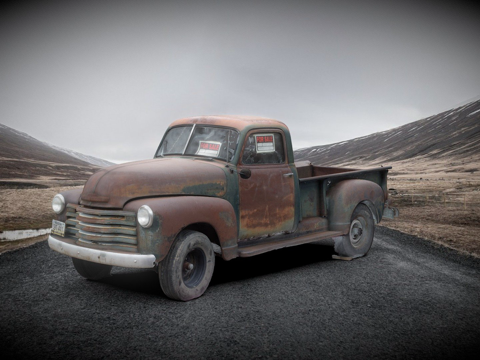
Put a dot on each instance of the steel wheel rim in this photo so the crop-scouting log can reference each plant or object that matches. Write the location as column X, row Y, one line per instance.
column 357, row 232
column 194, row 267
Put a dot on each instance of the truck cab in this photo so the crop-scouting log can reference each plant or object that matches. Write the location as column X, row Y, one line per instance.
column 218, row 186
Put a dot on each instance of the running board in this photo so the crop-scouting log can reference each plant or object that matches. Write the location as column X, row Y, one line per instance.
column 284, row 241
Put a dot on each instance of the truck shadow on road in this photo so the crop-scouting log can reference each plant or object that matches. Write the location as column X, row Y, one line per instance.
column 269, row 263
column 135, row 280
column 240, row 269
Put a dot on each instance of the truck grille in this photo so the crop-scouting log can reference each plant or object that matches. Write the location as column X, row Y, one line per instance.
column 114, row 229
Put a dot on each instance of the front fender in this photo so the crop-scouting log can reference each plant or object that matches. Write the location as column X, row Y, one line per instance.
column 71, row 197
column 173, row 214
column 343, row 198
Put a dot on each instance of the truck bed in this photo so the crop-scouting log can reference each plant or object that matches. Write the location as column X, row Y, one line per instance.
column 314, row 181
column 307, row 170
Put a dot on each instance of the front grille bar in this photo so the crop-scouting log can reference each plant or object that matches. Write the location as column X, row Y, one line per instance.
column 114, row 229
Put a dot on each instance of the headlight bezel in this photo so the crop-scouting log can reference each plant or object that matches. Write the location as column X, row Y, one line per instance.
column 142, row 211
column 61, row 203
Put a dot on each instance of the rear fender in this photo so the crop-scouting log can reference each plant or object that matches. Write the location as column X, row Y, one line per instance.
column 343, row 198
column 173, row 214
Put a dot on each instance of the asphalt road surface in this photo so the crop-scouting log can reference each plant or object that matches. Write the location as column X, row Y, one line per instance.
column 407, row 299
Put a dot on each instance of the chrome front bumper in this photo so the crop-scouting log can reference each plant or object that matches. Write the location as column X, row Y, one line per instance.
column 102, row 257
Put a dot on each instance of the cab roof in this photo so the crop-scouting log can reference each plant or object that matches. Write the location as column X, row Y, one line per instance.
column 235, row 121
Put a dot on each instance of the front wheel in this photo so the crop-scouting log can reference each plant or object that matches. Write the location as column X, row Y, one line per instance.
column 186, row 271
column 90, row 270
column 360, row 237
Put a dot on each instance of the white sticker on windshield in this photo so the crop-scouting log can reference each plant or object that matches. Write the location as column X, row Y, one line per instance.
column 209, row 148
column 265, row 143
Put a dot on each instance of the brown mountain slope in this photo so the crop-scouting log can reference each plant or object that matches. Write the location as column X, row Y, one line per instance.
column 443, row 140
column 24, row 157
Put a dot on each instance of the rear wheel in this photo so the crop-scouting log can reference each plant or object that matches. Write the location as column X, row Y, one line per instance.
column 360, row 237
column 90, row 270
column 186, row 271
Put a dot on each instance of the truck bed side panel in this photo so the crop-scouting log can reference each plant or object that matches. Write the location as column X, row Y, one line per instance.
column 310, row 197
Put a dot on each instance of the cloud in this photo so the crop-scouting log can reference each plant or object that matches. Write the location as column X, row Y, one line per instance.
column 106, row 79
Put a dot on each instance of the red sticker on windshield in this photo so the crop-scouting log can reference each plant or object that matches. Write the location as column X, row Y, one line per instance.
column 209, row 148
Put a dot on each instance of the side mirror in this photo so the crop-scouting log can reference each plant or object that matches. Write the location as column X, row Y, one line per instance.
column 245, row 173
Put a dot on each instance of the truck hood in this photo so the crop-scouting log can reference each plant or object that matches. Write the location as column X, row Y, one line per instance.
column 114, row 186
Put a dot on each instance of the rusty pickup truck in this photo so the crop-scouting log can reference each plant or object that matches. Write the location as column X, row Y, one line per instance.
column 223, row 186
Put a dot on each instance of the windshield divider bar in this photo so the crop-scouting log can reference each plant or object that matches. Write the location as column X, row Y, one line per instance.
column 228, row 144
column 188, row 140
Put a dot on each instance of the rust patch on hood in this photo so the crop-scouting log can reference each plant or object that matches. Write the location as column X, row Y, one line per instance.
column 112, row 187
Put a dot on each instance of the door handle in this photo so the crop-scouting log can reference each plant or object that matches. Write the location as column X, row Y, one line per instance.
column 288, row 175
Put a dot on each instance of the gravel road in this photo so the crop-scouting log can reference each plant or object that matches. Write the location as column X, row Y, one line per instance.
column 407, row 299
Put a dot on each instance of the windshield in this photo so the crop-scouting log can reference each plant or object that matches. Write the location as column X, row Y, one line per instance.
column 200, row 140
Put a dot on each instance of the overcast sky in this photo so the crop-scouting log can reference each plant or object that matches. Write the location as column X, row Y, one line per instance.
column 107, row 78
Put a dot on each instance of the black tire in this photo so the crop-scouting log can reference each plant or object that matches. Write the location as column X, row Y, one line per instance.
column 360, row 237
column 90, row 270
column 186, row 271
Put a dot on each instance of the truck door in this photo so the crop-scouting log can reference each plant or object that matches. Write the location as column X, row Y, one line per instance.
column 266, row 185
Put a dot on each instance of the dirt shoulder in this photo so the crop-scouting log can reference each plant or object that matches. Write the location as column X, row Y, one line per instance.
column 441, row 207
column 438, row 206
column 27, row 208
column 20, row 244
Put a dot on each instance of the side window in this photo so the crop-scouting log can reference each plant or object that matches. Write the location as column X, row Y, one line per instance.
column 264, row 148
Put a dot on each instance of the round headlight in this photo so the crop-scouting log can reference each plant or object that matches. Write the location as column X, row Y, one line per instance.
column 58, row 203
column 145, row 216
